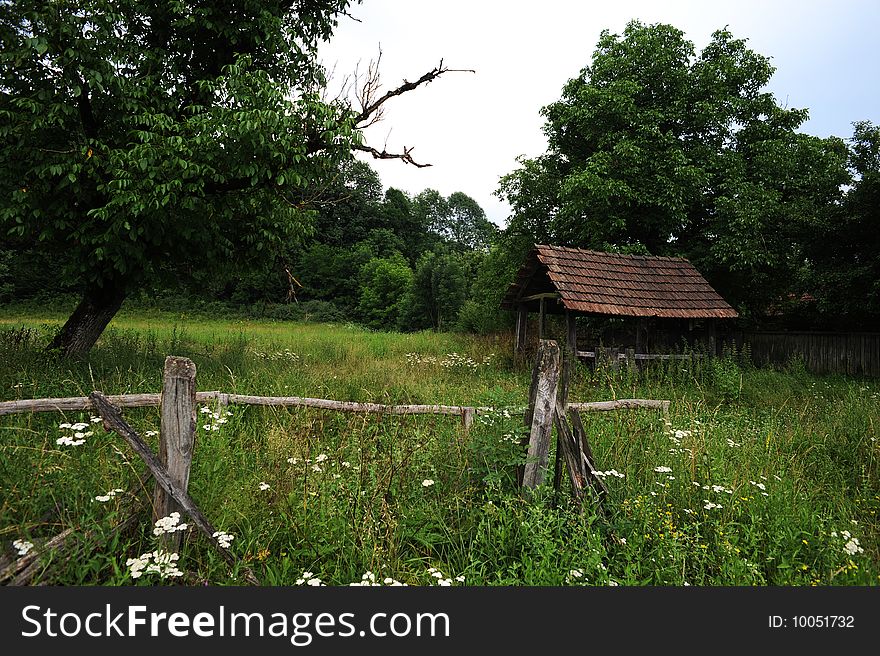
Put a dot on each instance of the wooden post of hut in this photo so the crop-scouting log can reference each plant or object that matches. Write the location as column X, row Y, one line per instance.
column 522, row 324
column 571, row 333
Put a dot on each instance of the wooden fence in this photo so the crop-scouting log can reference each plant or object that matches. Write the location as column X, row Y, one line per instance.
column 171, row 468
column 854, row 354
column 617, row 358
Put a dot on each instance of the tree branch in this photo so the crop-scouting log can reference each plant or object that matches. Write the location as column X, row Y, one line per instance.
column 384, row 154
column 371, row 105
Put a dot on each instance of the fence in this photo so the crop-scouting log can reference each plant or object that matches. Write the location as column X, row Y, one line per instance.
column 854, row 354
column 616, row 357
column 548, row 406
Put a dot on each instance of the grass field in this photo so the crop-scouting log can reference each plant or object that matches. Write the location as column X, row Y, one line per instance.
column 760, row 478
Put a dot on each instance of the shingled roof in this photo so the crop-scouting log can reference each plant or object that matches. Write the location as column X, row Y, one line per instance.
column 613, row 284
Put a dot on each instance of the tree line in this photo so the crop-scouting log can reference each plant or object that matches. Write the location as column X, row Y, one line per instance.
column 189, row 148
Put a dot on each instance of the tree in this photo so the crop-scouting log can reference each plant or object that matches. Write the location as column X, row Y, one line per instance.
column 143, row 136
column 439, row 288
column 348, row 207
column 384, row 284
column 458, row 220
column 844, row 254
column 656, row 149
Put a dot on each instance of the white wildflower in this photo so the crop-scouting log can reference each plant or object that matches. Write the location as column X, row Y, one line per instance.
column 22, row 546
column 427, row 482
column 163, row 563
column 852, row 546
column 662, row 470
column 225, row 539
column 264, row 486
column 169, row 524
column 69, row 441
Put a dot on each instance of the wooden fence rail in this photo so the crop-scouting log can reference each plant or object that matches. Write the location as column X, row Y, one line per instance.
column 153, row 400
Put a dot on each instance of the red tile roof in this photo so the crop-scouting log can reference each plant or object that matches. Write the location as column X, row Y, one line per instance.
column 621, row 285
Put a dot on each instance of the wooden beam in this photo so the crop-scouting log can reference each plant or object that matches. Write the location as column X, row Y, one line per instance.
column 545, row 381
column 536, row 297
column 570, row 332
column 84, row 403
column 177, row 438
column 152, row 400
column 620, row 404
column 113, row 421
column 541, row 320
column 522, row 324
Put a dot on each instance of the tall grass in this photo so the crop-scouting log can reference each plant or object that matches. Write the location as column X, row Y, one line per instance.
column 759, row 477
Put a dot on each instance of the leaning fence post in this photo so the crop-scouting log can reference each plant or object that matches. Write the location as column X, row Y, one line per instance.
column 545, row 382
column 177, row 436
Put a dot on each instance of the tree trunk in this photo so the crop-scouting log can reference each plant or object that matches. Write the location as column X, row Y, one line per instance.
column 98, row 306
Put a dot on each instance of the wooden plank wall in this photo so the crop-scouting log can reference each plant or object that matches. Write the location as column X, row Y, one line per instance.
column 854, row 354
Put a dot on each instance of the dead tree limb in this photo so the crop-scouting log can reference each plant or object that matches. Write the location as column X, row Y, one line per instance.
column 373, row 105
column 113, row 421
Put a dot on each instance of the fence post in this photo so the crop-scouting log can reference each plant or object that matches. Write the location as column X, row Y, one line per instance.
column 631, row 359
column 176, row 437
column 467, row 420
column 545, row 382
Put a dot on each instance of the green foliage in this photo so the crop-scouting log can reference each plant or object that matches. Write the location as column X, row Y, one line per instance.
column 844, row 251
column 656, row 148
column 458, row 219
column 776, row 485
column 439, row 288
column 153, row 140
column 495, row 449
column 383, row 288
column 482, row 313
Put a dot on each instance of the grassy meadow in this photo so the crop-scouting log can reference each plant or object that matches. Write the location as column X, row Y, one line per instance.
column 758, row 477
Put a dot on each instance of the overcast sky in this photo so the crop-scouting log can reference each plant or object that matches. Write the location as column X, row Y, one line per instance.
column 472, row 126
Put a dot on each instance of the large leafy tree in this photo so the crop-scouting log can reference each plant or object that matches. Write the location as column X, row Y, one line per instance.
column 655, row 148
column 844, row 253
column 149, row 135
column 457, row 220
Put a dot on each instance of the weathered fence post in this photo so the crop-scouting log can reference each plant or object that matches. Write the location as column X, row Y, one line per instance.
column 545, row 383
column 631, row 360
column 177, row 437
column 467, row 420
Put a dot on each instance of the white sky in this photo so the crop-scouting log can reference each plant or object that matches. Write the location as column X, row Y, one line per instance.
column 470, row 127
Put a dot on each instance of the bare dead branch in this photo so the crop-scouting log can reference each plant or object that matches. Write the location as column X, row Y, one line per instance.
column 405, row 156
column 371, row 105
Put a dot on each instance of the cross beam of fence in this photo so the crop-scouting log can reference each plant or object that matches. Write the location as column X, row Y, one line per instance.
column 153, row 400
column 620, row 404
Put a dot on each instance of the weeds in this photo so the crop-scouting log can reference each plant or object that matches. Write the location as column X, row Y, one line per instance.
column 758, row 477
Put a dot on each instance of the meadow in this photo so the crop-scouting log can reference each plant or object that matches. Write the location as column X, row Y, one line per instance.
column 757, row 477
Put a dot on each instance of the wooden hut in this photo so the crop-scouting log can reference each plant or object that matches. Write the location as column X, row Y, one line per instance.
column 661, row 295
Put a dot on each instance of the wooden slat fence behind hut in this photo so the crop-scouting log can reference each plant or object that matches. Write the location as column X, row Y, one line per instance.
column 854, row 354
